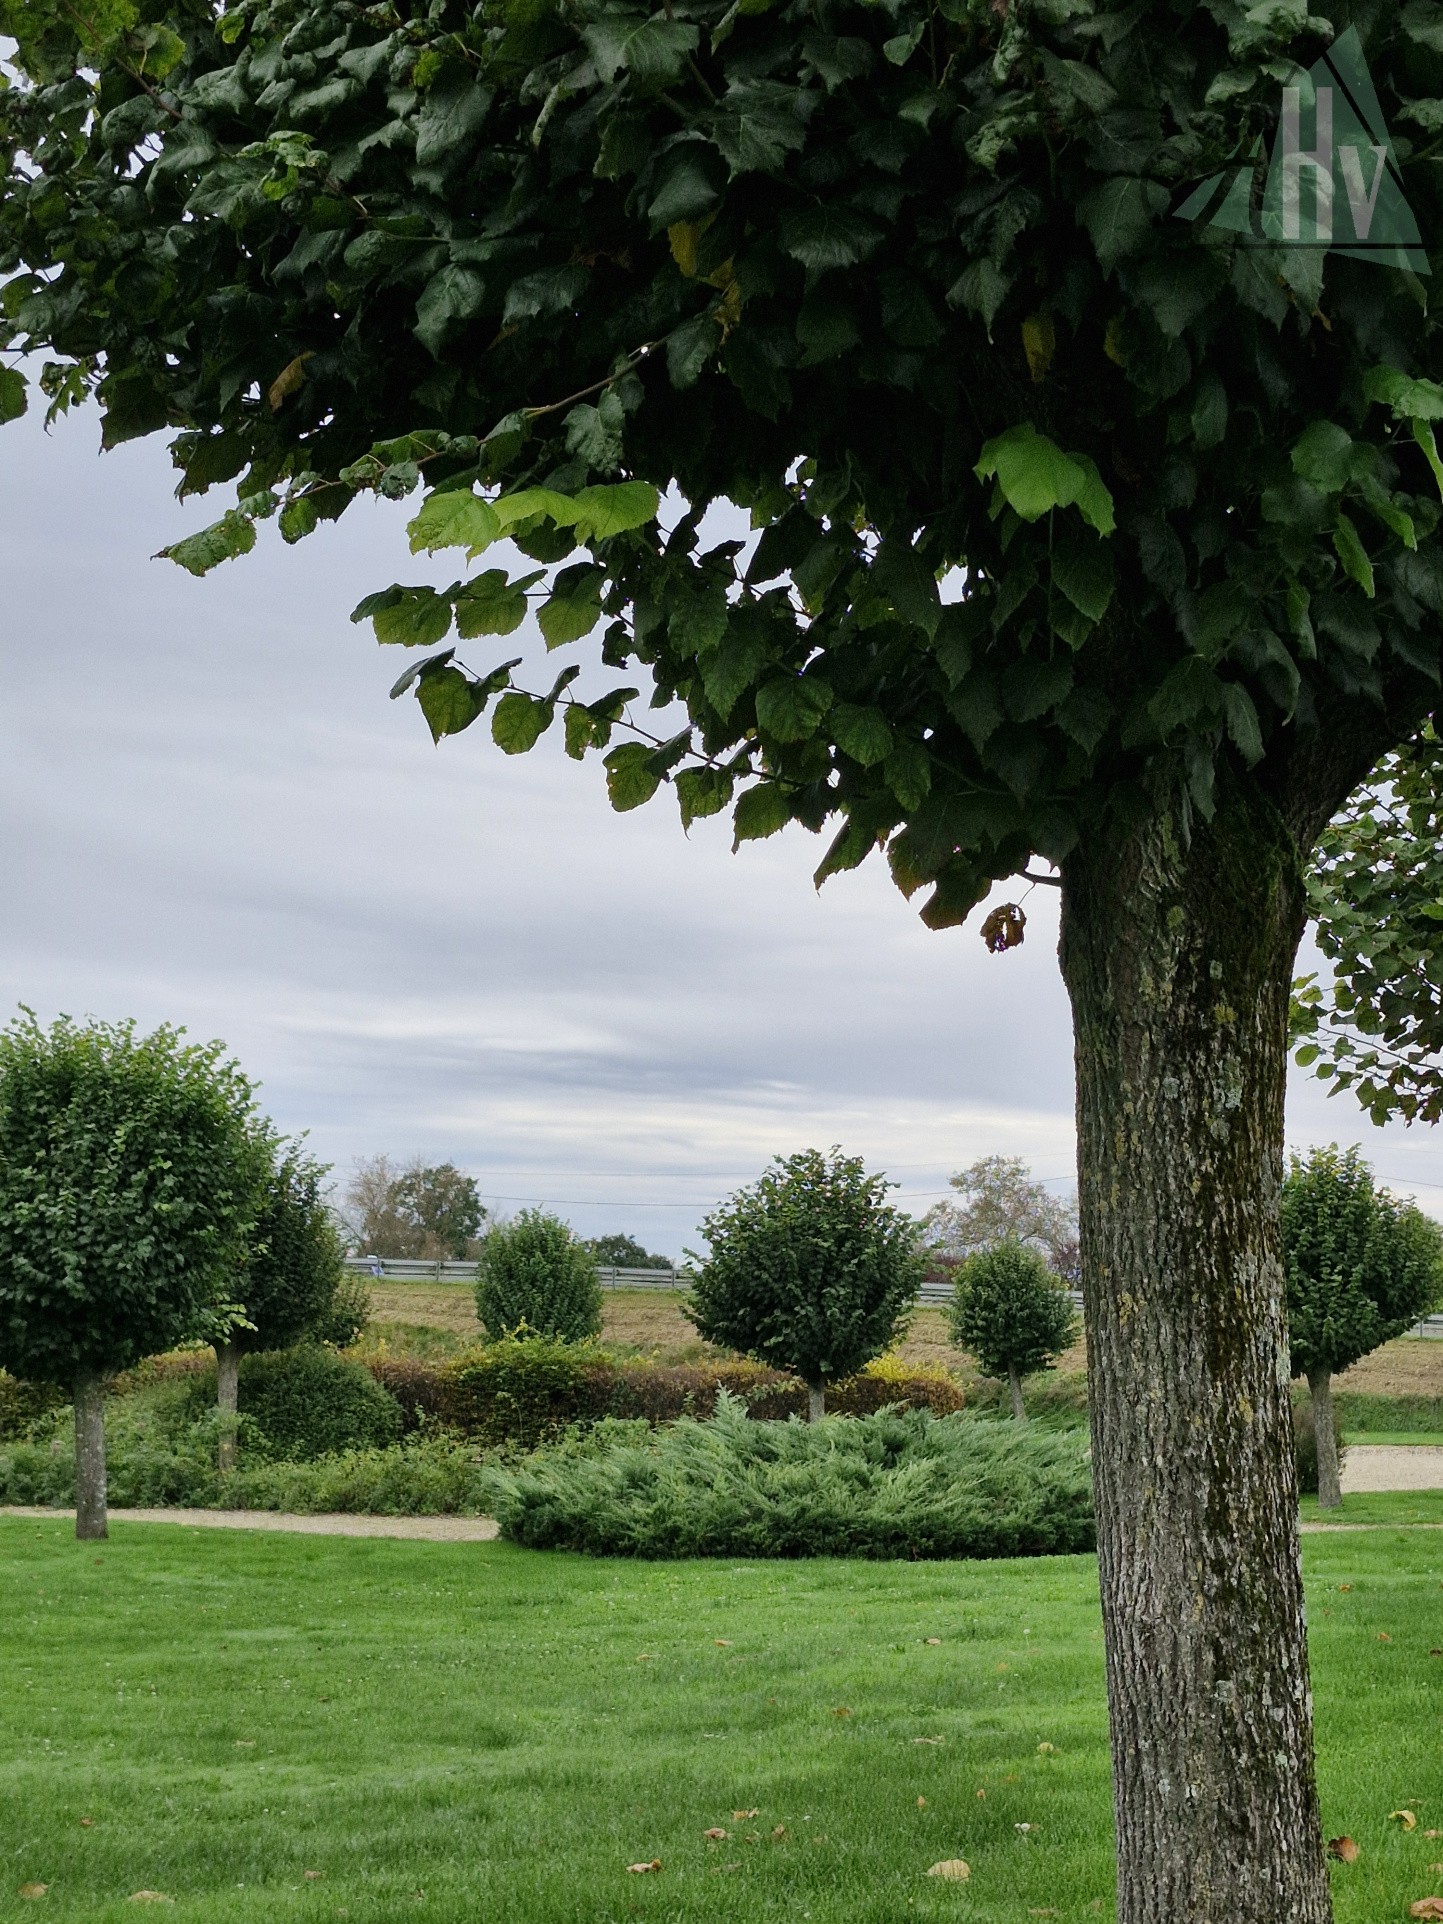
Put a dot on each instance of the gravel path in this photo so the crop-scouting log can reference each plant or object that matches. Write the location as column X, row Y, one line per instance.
column 429, row 1529
column 1392, row 1466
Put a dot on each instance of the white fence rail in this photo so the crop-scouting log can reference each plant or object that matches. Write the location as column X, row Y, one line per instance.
column 396, row 1269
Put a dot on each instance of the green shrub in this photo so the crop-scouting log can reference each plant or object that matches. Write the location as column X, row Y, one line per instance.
column 347, row 1315
column 1009, row 1309
column 891, row 1485
column 1362, row 1410
column 517, row 1390
column 307, row 1401
column 426, row 1475
column 534, row 1277
column 22, row 1404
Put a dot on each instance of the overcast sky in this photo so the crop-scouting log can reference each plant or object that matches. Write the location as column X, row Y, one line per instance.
column 217, row 818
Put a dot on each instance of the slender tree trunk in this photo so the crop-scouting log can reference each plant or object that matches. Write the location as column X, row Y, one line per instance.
column 816, row 1402
column 90, row 1514
column 1320, row 1388
column 1014, row 1390
column 227, row 1397
column 1177, row 950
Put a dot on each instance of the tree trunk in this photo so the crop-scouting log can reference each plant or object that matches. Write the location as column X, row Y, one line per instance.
column 1014, row 1390
column 227, row 1396
column 1320, row 1388
column 816, row 1402
column 1177, row 948
column 90, row 1515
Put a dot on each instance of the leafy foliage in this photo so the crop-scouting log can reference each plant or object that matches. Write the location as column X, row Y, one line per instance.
column 348, row 1314
column 419, row 1209
column 890, row 1485
column 1362, row 1267
column 998, row 1201
column 1008, row 1309
column 1376, row 891
column 535, row 1278
column 296, row 1270
column 625, row 1252
column 899, row 282
column 810, row 1269
column 307, row 1402
column 130, row 1180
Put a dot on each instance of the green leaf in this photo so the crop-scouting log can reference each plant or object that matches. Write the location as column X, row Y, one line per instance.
column 823, row 238
column 456, row 518
column 1353, row 555
column 574, row 606
column 900, row 49
column 702, row 792
column 1423, row 435
column 614, row 508
column 861, row 732
column 1082, row 568
column 732, row 667
column 452, row 295
column 413, row 674
column 14, row 394
column 519, row 722
column 908, row 770
column 1190, row 692
column 759, row 123
column 1118, row 215
column 451, row 116
column 982, row 287
column 449, row 700
column 1241, row 715
column 1035, row 476
column 491, row 604
column 789, row 708
column 1210, row 412
column 689, row 348
column 630, row 777
column 406, row 617
column 1321, row 456
column 905, row 580
column 234, row 534
column 652, row 51
column 1410, row 399
column 760, row 812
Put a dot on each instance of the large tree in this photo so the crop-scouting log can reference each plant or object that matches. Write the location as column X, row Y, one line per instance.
column 999, row 1200
column 1362, row 1267
column 1078, row 532
column 130, row 1178
column 422, row 1209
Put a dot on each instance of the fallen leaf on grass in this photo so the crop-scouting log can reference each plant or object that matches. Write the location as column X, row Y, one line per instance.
column 640, row 1870
column 982, row 1797
column 245, row 1743
column 932, row 1642
column 1024, row 1828
column 312, row 1876
column 842, row 1710
column 1403, row 1817
column 1344, row 1849
column 149, row 1897
column 955, row 1869
column 1383, row 1637
column 1435, row 1653
column 647, row 1656
column 1047, row 1750
column 716, row 1834
column 740, row 1816
column 1433, row 1833
column 33, row 1890
column 780, row 1832
column 929, row 1740
column 921, row 1803
column 87, row 1823
column 1427, row 1907
column 1345, row 1586
column 722, row 1643
column 1435, row 1870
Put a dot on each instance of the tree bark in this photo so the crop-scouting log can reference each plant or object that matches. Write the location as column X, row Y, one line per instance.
column 90, row 1513
column 227, row 1397
column 1177, row 948
column 816, row 1402
column 1320, row 1388
column 1014, row 1389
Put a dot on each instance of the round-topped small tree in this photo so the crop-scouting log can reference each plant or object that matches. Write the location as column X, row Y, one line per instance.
column 129, row 1186
column 1362, row 1267
column 1008, row 1308
column 810, row 1270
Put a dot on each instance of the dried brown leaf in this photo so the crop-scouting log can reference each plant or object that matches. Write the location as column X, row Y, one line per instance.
column 842, row 1710
column 740, row 1816
column 288, row 381
column 1426, row 1907
column 149, row 1897
column 87, row 1823
column 1047, row 1750
column 1344, row 1849
column 33, row 1890
column 929, row 1740
column 1403, row 1817
column 1004, row 928
column 932, row 1642
column 956, row 1870
column 640, row 1870
column 921, row 1803
column 1383, row 1637
column 312, row 1877
column 722, row 1643
column 716, row 1834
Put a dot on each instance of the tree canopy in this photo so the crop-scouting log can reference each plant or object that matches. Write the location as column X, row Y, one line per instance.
column 1375, row 1024
column 998, row 1200
column 129, row 1185
column 810, row 1269
column 419, row 1209
column 535, row 1278
column 902, row 281
column 296, row 1265
column 1009, row 1310
column 1362, row 1266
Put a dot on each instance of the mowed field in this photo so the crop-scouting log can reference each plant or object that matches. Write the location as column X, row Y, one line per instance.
column 651, row 1323
column 285, row 1728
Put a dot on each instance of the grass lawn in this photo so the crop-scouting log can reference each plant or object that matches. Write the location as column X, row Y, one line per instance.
column 464, row 1732
column 1410, row 1439
column 1389, row 1506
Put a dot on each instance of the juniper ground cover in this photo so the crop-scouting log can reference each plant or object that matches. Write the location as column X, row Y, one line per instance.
column 460, row 1731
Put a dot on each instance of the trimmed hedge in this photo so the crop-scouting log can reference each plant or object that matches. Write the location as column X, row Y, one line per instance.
column 520, row 1392
column 897, row 1484
column 307, row 1402
column 1360, row 1410
column 22, row 1404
